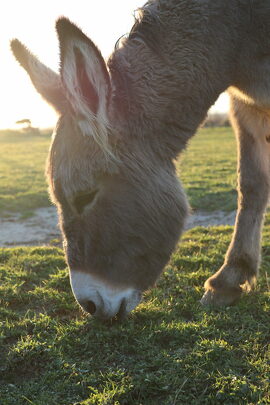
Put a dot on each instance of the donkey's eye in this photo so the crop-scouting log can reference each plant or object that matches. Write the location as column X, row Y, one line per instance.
column 81, row 201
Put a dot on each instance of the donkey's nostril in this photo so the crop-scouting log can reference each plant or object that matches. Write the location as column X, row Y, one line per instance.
column 90, row 307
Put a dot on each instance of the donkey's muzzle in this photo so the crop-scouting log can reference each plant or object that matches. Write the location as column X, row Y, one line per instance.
column 102, row 312
column 101, row 300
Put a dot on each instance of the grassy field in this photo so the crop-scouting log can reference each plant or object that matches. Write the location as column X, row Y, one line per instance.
column 170, row 350
column 22, row 162
column 208, row 170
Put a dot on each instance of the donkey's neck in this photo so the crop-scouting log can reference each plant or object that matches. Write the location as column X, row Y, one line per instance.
column 171, row 69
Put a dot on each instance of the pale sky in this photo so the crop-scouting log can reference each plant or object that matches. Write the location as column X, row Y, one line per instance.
column 32, row 21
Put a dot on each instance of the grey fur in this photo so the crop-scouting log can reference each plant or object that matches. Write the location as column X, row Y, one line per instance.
column 179, row 56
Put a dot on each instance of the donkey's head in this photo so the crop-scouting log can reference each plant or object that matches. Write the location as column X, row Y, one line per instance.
column 120, row 205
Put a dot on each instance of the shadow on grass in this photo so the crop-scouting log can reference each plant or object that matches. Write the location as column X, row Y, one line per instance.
column 146, row 358
column 170, row 350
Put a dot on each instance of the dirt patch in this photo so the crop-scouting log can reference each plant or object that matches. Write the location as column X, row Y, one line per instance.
column 39, row 229
column 214, row 218
column 42, row 227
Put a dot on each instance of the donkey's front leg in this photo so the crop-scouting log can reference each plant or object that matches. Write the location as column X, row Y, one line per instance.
column 240, row 268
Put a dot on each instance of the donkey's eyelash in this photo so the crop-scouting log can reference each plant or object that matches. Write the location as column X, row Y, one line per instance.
column 81, row 201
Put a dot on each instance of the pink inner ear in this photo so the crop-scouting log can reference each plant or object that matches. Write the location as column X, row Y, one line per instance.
column 90, row 96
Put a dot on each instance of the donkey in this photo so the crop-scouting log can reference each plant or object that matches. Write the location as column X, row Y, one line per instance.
column 123, row 123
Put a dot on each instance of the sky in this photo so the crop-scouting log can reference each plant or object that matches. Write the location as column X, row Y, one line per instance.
column 33, row 22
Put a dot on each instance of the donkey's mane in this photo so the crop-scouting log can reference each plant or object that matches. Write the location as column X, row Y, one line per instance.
column 122, row 93
column 146, row 29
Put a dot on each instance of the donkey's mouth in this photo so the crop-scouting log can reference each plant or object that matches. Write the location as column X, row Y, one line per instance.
column 122, row 313
column 103, row 313
column 101, row 300
column 126, row 306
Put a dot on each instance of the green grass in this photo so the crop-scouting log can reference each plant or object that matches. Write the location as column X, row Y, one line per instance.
column 209, row 177
column 208, row 170
column 169, row 351
column 22, row 166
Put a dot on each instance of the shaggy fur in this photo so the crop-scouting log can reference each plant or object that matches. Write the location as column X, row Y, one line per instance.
column 120, row 204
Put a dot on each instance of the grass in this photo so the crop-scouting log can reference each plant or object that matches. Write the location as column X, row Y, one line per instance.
column 22, row 165
column 170, row 351
column 23, row 187
column 208, row 170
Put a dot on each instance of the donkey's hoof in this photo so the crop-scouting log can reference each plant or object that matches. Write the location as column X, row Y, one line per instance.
column 221, row 297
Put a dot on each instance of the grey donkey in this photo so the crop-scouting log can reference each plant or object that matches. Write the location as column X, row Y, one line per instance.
column 123, row 123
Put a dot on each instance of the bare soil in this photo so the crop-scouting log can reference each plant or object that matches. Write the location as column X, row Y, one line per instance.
column 214, row 218
column 39, row 229
column 42, row 227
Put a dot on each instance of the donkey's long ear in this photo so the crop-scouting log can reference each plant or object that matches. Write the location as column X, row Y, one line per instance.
column 47, row 82
column 84, row 73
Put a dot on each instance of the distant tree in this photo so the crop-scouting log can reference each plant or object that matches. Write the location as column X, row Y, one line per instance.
column 28, row 126
column 25, row 121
